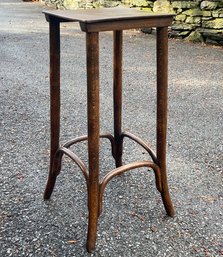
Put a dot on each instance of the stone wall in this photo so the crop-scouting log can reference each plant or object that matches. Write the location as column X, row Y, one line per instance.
column 195, row 20
column 198, row 21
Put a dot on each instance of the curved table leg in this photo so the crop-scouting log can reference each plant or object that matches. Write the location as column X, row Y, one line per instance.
column 54, row 27
column 162, row 66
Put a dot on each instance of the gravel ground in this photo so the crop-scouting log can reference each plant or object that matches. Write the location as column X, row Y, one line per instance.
column 133, row 222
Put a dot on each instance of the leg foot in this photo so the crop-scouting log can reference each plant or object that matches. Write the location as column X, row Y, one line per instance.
column 49, row 187
column 168, row 204
column 55, row 168
column 92, row 230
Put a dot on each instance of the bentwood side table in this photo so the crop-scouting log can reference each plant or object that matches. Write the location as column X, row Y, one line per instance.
column 92, row 22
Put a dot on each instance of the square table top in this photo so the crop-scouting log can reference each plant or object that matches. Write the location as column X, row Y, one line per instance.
column 103, row 19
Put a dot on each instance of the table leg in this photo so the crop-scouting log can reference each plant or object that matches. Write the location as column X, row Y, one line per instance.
column 92, row 47
column 54, row 27
column 117, row 96
column 162, row 78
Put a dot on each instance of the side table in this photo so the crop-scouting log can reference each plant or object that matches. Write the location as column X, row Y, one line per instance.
column 92, row 22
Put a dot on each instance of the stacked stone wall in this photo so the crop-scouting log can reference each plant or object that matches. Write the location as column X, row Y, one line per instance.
column 198, row 21
column 195, row 20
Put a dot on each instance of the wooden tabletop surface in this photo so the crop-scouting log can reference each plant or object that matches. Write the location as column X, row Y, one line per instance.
column 103, row 14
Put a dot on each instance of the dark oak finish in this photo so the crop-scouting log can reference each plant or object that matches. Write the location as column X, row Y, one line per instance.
column 92, row 22
column 92, row 46
column 162, row 77
column 117, row 95
column 105, row 19
column 54, row 102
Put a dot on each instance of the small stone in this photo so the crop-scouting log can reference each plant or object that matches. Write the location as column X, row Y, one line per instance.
column 9, row 250
column 181, row 17
column 213, row 34
column 109, row 4
column 126, row 2
column 195, row 36
column 97, row 4
column 146, row 9
column 215, row 24
column 193, row 12
column 139, row 3
column 211, row 42
column 176, row 34
column 154, row 229
column 184, row 33
column 178, row 11
column 163, row 6
column 184, row 4
column 194, row 20
column 70, row 4
column 218, row 13
column 207, row 18
column 147, row 237
column 182, row 26
column 209, row 5
column 150, row 3
column 206, row 13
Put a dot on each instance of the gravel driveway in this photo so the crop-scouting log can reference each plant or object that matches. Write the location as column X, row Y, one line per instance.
column 133, row 222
